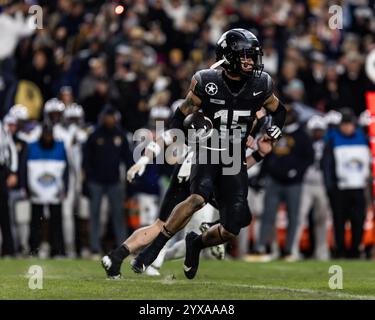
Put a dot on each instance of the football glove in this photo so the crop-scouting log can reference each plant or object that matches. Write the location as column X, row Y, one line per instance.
column 137, row 169
column 274, row 132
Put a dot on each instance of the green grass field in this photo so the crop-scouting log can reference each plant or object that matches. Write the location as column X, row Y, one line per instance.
column 84, row 279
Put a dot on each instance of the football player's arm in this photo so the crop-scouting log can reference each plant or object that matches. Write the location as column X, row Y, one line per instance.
column 191, row 104
column 152, row 150
column 278, row 112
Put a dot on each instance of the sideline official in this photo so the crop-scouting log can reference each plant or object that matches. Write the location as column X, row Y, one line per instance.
column 8, row 180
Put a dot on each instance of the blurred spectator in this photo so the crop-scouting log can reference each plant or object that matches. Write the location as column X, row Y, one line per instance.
column 314, row 196
column 106, row 148
column 285, row 168
column 72, row 127
column 18, row 192
column 346, row 165
column 353, row 83
column 66, row 96
column 89, row 83
column 13, row 26
column 43, row 72
column 8, row 180
column 295, row 93
column 47, row 185
column 96, row 100
column 28, row 130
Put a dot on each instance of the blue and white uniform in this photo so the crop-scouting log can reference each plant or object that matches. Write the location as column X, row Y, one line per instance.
column 47, row 173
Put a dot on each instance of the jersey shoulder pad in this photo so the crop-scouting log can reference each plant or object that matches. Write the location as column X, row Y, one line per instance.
column 200, row 79
column 265, row 84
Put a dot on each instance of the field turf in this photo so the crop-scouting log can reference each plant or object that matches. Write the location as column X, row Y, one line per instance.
column 84, row 279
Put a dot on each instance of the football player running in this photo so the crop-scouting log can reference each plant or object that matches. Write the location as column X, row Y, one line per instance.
column 178, row 191
column 230, row 98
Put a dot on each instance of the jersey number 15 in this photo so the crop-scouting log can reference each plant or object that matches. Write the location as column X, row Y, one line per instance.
column 235, row 124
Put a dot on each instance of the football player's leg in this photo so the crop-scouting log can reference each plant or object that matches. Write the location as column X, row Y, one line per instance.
column 234, row 215
column 203, row 217
column 144, row 236
column 175, row 194
column 201, row 187
column 201, row 222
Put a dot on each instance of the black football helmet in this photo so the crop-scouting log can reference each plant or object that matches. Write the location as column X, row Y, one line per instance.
column 237, row 44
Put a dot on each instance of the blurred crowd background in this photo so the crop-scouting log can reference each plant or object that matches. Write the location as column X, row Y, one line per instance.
column 126, row 69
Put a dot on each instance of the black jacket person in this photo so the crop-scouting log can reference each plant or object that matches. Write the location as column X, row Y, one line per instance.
column 106, row 148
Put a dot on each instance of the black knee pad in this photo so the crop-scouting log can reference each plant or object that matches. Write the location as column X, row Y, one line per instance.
column 239, row 216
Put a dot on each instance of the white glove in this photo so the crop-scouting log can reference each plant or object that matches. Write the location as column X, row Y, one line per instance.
column 138, row 168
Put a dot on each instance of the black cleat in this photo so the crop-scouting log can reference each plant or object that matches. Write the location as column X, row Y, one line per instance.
column 191, row 262
column 112, row 267
column 137, row 266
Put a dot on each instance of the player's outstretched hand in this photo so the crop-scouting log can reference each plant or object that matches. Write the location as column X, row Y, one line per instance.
column 134, row 170
column 265, row 145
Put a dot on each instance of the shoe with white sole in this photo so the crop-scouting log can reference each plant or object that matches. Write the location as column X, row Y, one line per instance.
column 152, row 272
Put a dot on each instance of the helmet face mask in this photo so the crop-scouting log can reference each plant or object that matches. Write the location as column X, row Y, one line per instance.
column 240, row 52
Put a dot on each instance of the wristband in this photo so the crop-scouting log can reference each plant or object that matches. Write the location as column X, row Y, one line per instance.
column 257, row 156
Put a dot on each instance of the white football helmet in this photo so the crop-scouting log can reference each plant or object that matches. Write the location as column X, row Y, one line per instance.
column 19, row 112
column 9, row 119
column 333, row 117
column 317, row 122
column 74, row 111
column 54, row 105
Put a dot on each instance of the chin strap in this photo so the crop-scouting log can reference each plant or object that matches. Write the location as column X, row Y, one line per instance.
column 218, row 63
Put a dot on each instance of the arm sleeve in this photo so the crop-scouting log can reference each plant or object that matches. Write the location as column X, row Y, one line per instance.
column 279, row 115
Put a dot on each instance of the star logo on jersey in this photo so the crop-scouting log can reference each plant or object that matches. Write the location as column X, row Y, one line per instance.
column 211, row 88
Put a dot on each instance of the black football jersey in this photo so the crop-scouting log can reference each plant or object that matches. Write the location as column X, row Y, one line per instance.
column 228, row 110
